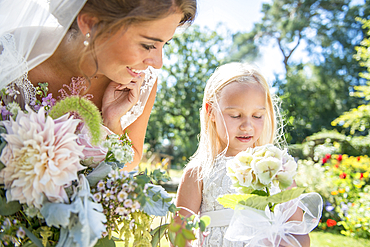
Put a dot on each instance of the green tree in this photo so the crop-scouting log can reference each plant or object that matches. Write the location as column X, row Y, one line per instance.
column 174, row 123
column 358, row 119
column 315, row 87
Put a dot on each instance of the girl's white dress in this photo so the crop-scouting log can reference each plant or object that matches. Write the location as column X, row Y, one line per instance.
column 215, row 185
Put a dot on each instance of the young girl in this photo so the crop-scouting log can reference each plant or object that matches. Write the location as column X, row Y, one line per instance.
column 238, row 112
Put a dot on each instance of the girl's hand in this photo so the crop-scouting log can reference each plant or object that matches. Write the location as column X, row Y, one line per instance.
column 118, row 99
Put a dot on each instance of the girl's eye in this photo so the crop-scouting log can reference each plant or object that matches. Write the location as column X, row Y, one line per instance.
column 258, row 117
column 236, row 116
column 148, row 47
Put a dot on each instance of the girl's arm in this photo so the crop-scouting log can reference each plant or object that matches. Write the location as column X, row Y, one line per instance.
column 189, row 194
column 136, row 131
column 304, row 240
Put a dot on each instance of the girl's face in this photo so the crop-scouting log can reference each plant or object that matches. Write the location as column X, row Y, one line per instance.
column 243, row 110
column 122, row 56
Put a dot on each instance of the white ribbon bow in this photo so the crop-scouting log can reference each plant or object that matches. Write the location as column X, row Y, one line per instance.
column 265, row 228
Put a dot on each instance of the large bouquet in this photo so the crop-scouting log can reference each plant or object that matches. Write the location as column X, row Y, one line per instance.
column 264, row 206
column 61, row 183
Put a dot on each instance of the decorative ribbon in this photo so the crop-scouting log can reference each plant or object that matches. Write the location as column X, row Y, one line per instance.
column 265, row 228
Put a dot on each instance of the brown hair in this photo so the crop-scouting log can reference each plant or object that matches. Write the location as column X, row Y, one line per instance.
column 112, row 15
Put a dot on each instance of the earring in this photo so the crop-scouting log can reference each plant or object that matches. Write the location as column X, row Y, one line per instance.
column 87, row 36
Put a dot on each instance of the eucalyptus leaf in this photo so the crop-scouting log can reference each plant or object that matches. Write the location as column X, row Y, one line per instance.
column 9, row 208
column 99, row 173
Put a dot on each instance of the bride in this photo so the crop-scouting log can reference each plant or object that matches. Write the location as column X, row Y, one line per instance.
column 106, row 50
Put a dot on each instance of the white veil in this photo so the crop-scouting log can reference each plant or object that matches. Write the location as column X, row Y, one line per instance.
column 23, row 41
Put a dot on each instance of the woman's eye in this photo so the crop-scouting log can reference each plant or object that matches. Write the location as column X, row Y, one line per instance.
column 148, row 47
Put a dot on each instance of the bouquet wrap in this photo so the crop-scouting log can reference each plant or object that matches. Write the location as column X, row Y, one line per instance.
column 266, row 228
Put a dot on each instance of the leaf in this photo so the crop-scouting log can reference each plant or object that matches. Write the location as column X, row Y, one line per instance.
column 158, row 205
column 172, row 236
column 9, row 208
column 32, row 237
column 259, row 193
column 188, row 235
column 157, row 234
column 230, row 200
column 105, row 242
column 286, row 195
column 174, row 227
column 206, row 220
column 180, row 240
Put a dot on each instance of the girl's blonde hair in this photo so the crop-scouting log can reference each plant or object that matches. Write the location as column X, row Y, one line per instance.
column 209, row 144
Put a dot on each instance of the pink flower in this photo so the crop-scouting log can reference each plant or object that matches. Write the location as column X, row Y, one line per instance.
column 98, row 153
column 41, row 157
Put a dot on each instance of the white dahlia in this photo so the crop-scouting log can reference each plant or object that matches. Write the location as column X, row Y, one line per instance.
column 41, row 157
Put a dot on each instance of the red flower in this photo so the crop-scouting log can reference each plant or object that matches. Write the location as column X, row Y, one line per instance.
column 337, row 165
column 361, row 175
column 339, row 157
column 343, row 175
column 324, row 160
column 327, row 156
column 331, row 223
column 358, row 158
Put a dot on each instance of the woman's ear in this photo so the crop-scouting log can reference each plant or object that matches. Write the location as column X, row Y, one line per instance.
column 86, row 22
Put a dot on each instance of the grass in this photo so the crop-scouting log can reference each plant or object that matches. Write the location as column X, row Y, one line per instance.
column 322, row 239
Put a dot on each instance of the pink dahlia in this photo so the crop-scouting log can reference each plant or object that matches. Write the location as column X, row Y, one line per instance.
column 41, row 157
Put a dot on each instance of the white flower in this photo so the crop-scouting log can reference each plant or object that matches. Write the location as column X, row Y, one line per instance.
column 285, row 180
column 128, row 203
column 97, row 197
column 21, row 233
column 100, row 186
column 135, row 206
column 266, row 169
column 41, row 157
column 121, row 196
column 120, row 211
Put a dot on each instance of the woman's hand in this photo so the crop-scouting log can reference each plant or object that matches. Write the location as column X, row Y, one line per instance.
column 118, row 99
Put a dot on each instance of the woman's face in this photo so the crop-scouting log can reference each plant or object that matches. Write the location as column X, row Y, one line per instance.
column 122, row 56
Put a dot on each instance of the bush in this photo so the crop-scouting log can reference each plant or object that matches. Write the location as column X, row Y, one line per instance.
column 343, row 182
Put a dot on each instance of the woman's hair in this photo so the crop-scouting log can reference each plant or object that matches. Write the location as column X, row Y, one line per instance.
column 209, row 144
column 115, row 14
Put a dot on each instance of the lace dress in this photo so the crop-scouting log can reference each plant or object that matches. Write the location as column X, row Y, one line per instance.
column 215, row 185
column 23, row 92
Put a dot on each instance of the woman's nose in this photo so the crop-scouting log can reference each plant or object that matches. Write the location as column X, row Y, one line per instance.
column 155, row 59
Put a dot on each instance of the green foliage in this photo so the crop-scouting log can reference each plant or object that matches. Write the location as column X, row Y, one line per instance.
column 358, row 119
column 174, row 124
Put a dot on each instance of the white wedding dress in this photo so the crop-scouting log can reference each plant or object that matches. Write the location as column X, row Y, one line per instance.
column 215, row 185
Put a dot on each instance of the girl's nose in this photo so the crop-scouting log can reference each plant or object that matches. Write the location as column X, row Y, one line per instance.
column 246, row 125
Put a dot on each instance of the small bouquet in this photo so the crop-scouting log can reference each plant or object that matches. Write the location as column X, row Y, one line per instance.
column 61, row 183
column 264, row 205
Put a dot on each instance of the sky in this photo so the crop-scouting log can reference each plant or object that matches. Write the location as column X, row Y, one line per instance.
column 240, row 15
